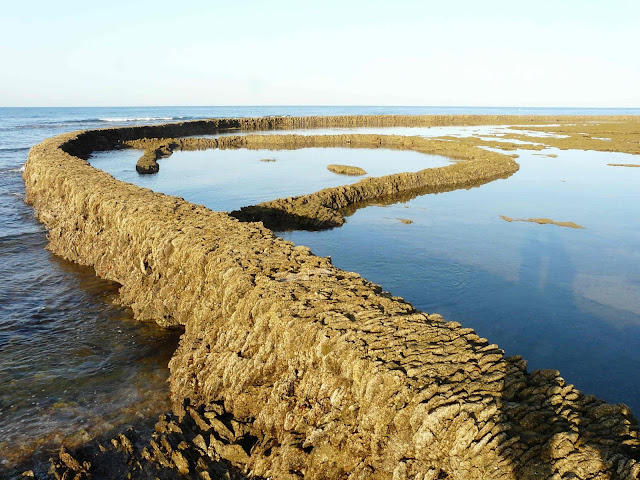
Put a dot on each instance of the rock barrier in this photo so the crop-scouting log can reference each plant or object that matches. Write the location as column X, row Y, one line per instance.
column 295, row 368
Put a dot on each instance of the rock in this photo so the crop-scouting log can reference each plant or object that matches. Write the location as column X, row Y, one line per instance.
column 202, row 425
column 181, row 463
column 346, row 169
column 71, row 462
column 234, row 453
column 542, row 221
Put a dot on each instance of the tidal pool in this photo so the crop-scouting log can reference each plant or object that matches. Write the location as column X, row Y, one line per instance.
column 455, row 131
column 228, row 179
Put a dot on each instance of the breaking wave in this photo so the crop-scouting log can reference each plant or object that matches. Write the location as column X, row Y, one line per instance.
column 140, row 119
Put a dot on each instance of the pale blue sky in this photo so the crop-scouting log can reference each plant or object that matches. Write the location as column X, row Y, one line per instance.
column 453, row 52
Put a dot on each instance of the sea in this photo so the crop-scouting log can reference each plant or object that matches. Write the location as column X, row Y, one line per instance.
column 75, row 364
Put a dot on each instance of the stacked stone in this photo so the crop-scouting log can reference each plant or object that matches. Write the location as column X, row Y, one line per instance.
column 307, row 370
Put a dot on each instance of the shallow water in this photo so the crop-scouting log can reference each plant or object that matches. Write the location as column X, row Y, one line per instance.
column 73, row 364
column 226, row 180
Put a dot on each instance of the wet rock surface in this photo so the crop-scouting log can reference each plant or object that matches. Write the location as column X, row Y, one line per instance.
column 601, row 134
column 198, row 446
column 290, row 367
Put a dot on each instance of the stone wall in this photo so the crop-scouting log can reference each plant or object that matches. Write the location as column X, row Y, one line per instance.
column 325, row 375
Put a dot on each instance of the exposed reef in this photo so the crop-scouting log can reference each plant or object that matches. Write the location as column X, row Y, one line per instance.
column 346, row 170
column 486, row 141
column 311, row 371
column 600, row 134
column 201, row 445
column 632, row 165
column 542, row 221
column 611, row 133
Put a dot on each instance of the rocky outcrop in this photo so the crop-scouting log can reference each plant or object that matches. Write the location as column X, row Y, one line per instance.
column 198, row 446
column 147, row 163
column 319, row 372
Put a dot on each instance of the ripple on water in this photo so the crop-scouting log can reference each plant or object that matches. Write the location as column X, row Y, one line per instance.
column 74, row 363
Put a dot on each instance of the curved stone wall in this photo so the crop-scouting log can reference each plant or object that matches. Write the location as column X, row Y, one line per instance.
column 319, row 373
column 325, row 209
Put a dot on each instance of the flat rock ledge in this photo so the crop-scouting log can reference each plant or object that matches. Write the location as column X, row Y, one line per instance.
column 292, row 368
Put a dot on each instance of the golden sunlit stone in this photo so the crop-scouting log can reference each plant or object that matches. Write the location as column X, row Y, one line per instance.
column 289, row 367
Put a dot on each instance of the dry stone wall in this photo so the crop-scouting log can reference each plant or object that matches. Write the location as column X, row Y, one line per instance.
column 314, row 372
column 326, row 208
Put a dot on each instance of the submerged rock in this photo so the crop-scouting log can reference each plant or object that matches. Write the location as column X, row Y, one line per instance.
column 542, row 221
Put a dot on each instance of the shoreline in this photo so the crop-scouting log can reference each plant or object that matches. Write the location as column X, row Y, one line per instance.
column 316, row 362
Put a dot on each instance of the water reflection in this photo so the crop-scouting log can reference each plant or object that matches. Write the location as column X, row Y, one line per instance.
column 545, row 262
column 598, row 293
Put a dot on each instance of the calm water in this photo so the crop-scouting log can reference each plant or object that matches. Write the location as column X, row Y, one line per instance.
column 226, row 180
column 73, row 364
column 475, row 130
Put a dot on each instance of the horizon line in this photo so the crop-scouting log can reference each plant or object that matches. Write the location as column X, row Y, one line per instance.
column 322, row 106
